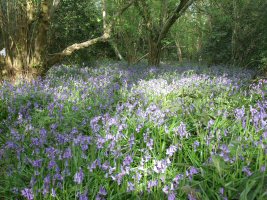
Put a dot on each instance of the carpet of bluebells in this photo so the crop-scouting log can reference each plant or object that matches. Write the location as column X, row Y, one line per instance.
column 117, row 132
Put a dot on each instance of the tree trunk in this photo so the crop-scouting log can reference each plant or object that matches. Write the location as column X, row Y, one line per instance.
column 154, row 53
column 116, row 50
column 199, row 37
column 179, row 51
column 234, row 33
column 39, row 58
column 24, row 27
column 131, row 50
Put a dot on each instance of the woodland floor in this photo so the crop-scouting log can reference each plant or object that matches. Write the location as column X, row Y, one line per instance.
column 118, row 132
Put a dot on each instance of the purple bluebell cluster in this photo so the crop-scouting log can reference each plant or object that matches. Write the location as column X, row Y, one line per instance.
column 116, row 132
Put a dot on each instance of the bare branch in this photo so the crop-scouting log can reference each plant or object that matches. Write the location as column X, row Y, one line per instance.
column 123, row 9
column 141, row 58
column 55, row 58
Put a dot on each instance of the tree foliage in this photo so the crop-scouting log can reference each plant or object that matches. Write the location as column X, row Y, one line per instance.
column 207, row 31
column 237, row 32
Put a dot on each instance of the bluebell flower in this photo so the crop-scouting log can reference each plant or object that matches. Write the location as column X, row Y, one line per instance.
column 94, row 124
column 178, row 178
column 191, row 197
column 171, row 196
column 127, row 160
column 105, row 166
column 78, row 177
column 225, row 152
column 165, row 189
column 37, row 163
column 102, row 191
column 67, row 153
column 83, row 196
column 52, row 164
column 131, row 141
column 221, row 190
column 192, row 171
column 130, row 186
column 181, row 131
column 53, row 192
column 150, row 144
column 247, row 171
column 195, row 145
column 151, row 184
column 160, row 166
column 171, row 150
column 28, row 194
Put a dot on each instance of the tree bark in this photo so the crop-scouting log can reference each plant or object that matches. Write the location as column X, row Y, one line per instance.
column 179, row 51
column 40, row 52
column 154, row 53
column 25, row 28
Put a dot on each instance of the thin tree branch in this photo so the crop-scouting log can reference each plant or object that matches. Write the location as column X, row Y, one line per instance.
column 141, row 58
column 179, row 10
